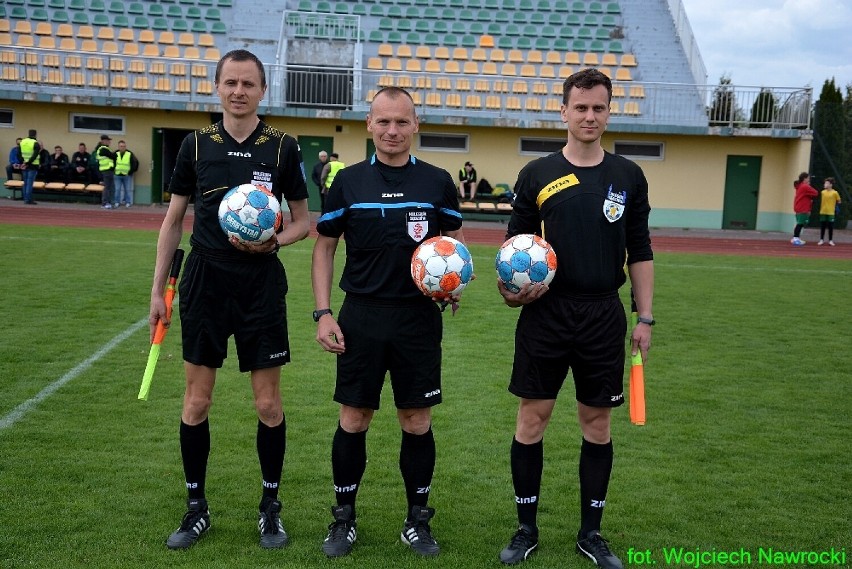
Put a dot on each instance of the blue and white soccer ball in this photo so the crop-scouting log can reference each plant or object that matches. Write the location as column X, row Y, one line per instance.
column 523, row 259
column 250, row 213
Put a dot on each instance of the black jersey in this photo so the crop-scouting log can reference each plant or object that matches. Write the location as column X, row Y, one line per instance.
column 211, row 162
column 384, row 213
column 596, row 218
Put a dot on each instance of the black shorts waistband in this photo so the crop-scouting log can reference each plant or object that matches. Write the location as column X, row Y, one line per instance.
column 234, row 256
column 389, row 302
column 585, row 296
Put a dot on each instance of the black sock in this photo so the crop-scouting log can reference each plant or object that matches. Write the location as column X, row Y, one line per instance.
column 417, row 465
column 527, row 462
column 595, row 468
column 348, row 462
column 271, row 446
column 194, row 451
column 797, row 230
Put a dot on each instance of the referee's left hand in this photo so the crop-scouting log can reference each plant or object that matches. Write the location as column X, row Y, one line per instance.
column 264, row 248
column 329, row 335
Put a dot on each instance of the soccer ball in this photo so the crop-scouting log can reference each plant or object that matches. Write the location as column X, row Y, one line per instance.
column 250, row 213
column 441, row 267
column 525, row 259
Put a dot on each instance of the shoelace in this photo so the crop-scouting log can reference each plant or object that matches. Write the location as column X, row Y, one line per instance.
column 338, row 529
column 190, row 519
column 601, row 544
column 270, row 523
column 423, row 532
column 521, row 538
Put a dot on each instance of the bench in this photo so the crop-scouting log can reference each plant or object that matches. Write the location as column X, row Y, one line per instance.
column 57, row 189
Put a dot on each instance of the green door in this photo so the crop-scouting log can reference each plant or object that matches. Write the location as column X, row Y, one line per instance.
column 311, row 147
column 371, row 148
column 742, row 185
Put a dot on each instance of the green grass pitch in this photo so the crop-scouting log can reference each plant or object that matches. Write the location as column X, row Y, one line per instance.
column 746, row 444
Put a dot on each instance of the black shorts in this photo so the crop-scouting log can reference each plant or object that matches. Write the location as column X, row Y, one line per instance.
column 220, row 298
column 587, row 336
column 402, row 338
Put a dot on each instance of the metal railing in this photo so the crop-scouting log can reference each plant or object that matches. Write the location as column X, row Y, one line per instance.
column 524, row 99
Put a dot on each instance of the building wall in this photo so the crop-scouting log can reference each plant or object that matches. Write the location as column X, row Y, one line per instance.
column 686, row 187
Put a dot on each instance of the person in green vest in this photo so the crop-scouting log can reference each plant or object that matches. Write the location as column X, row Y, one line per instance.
column 106, row 168
column 330, row 170
column 30, row 160
column 125, row 165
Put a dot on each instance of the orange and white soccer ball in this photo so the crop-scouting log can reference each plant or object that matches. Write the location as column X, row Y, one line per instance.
column 441, row 267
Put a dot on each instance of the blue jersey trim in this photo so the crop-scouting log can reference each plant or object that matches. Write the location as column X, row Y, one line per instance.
column 384, row 206
column 331, row 215
column 452, row 212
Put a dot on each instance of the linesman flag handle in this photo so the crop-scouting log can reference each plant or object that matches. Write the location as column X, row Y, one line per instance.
column 160, row 330
column 637, row 375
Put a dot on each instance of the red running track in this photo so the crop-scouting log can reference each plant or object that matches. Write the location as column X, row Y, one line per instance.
column 750, row 243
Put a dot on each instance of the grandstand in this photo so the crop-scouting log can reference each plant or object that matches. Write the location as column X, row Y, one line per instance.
column 486, row 76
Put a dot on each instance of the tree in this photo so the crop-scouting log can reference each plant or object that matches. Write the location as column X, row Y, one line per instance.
column 764, row 110
column 829, row 148
column 722, row 111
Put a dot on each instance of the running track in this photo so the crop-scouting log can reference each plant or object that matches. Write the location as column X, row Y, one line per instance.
column 664, row 240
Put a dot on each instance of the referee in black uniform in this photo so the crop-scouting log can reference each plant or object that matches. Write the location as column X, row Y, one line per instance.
column 229, row 288
column 592, row 207
column 385, row 207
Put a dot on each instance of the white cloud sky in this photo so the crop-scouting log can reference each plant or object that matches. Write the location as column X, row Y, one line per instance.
column 774, row 43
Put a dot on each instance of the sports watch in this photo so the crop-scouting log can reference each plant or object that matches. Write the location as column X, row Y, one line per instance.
column 640, row 320
column 320, row 313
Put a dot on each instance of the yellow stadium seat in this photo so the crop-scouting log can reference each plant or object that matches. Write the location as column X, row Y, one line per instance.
column 89, row 45
column 109, row 47
column 500, row 86
column 374, row 63
column 404, row 81
column 515, row 56
column 454, row 100
column 463, row 84
column 33, row 76
column 539, row 88
column 199, row 71
column 547, row 72
column 403, row 50
column 535, row 56
column 106, row 34
column 393, row 64
column 416, row 98
column 5, row 26
column 632, row 108
column 482, row 85
column 76, row 79
column 178, row 69
column 556, row 89
column 533, row 104
column 5, row 39
column 553, row 105
column 433, row 99
column 204, row 88
column 166, row 37
column 371, row 94
column 614, row 109
column 470, row 68
column 43, row 29
column 528, row 70
column 459, row 53
column 191, row 52
column 473, row 102
column 116, row 64
column 137, row 66
column 183, row 86
column 572, row 58
column 85, row 32
column 628, row 60
column 95, row 63
column 68, row 44
column 23, row 27
column 452, row 66
column 157, row 68
column 442, row 52
column 591, row 59
column 163, row 84
column 186, row 38
column 25, row 41
column 497, row 55
column 413, row 65
column 130, row 49
column 140, row 83
column 126, row 34
column 151, row 50
column 423, row 52
column 385, row 50
column 553, row 58
column 606, row 71
column 513, row 103
column 489, row 68
column 50, row 60
column 433, row 66
column 146, row 36
column 74, row 61
column 508, row 69
column 609, row 59
column 212, row 54
column 423, row 82
column 637, row 91
column 47, row 42
column 206, row 40
column 64, row 31
column 54, row 77
column 623, row 74
column 385, row 81
column 478, row 54
column 171, row 51
column 519, row 87
column 565, row 71
column 618, row 91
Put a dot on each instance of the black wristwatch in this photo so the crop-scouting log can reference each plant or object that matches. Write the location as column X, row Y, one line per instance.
column 648, row 321
column 320, row 313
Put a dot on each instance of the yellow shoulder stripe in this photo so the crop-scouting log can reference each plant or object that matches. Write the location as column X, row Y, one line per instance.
column 555, row 187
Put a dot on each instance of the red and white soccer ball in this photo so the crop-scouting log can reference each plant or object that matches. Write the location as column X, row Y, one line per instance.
column 441, row 267
column 525, row 258
column 250, row 213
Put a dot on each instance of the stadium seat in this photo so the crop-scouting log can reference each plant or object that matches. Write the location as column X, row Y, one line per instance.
column 137, row 66
column 547, row 72
column 473, row 102
column 539, row 88
column 413, row 66
column 459, row 53
column 212, row 53
column 205, row 40
column 163, row 85
column 462, row 84
column 452, row 66
column 497, row 55
column 171, row 51
column 618, row 91
column 150, row 50
column 532, row 104
column 528, row 70
column 141, row 83
column 47, row 42
column 508, row 69
column 433, row 99
column 628, row 60
column 623, row 74
column 177, row 69
column 470, row 68
column 481, row 85
column 572, row 58
column 590, row 59
column 10, row 74
column 489, row 68
column 186, row 39
column 453, row 100
column 614, row 108
column 130, row 49
column 500, row 86
column 513, row 103
column 553, row 105
column 404, row 51
column 515, row 56
column 183, row 86
column 23, row 27
column 68, row 44
column 637, row 91
column 43, row 29
column 204, row 88
column 632, row 108
column 520, row 87
column 442, row 52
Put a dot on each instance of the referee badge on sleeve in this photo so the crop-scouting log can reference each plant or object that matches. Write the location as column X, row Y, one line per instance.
column 613, row 207
column 418, row 225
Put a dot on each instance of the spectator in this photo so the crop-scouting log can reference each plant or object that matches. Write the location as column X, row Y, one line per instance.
column 30, row 159
column 829, row 200
column 106, row 169
column 330, row 170
column 805, row 195
column 126, row 165
column 467, row 180
column 57, row 166
column 316, row 176
column 79, row 170
column 14, row 166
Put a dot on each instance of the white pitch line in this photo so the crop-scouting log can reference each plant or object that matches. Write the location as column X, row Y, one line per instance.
column 22, row 409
